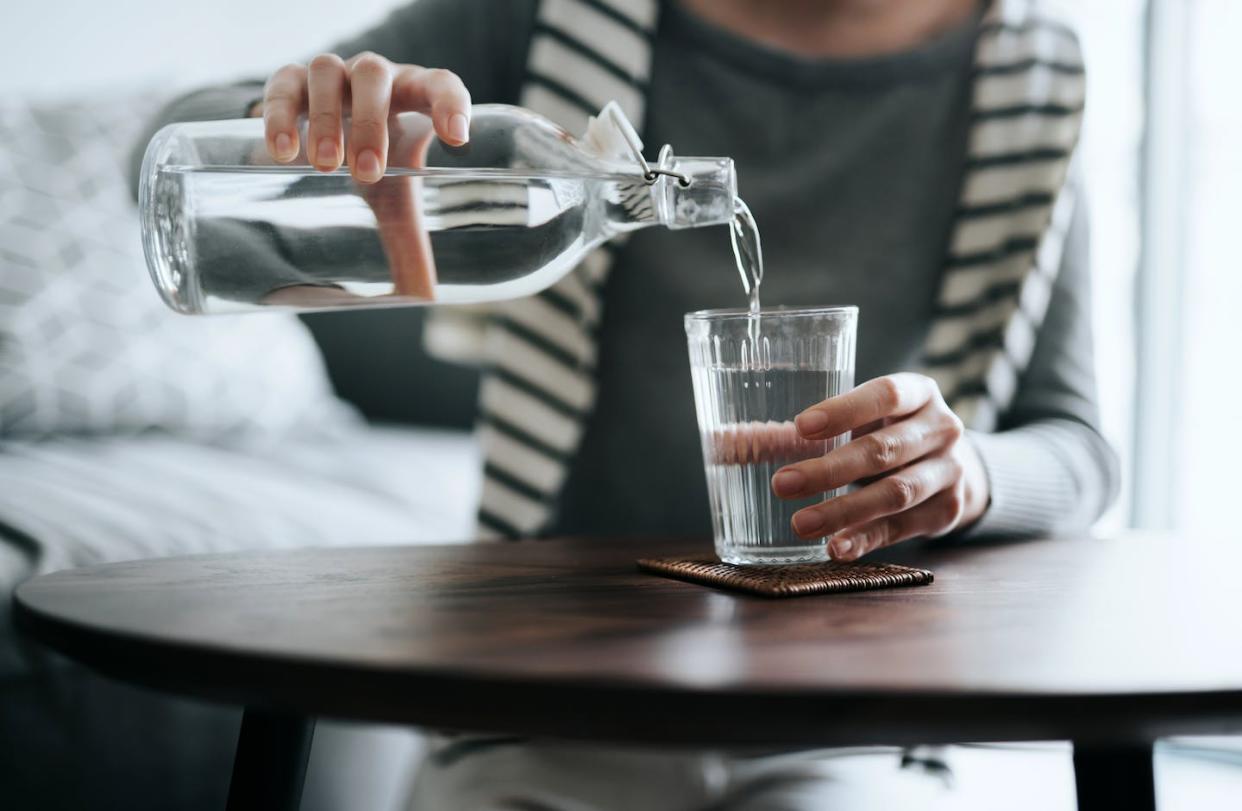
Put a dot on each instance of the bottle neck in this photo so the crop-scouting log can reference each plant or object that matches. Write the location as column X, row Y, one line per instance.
column 707, row 198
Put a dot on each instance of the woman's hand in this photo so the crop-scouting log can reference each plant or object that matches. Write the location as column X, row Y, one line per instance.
column 922, row 476
column 367, row 88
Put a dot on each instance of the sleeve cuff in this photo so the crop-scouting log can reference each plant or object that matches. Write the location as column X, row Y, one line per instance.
column 1026, row 482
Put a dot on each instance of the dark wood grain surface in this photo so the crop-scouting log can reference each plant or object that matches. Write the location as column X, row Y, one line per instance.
column 1079, row 638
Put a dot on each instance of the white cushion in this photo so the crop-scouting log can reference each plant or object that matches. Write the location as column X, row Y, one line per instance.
column 78, row 501
column 86, row 346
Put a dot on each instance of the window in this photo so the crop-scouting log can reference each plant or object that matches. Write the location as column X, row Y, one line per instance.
column 1207, row 437
column 1112, row 38
column 1186, row 389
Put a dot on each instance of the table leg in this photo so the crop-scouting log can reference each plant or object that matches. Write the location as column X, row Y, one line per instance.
column 270, row 763
column 1115, row 776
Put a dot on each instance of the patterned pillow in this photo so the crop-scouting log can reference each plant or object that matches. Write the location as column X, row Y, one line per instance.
column 86, row 346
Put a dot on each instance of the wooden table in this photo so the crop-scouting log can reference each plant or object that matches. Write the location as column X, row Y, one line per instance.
column 1110, row 644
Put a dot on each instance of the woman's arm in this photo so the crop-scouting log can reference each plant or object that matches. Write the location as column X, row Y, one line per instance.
column 1047, row 470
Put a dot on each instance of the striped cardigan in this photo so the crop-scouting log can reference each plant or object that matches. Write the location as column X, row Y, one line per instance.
column 1014, row 208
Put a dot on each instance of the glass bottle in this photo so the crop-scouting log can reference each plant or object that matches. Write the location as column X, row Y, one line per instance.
column 226, row 229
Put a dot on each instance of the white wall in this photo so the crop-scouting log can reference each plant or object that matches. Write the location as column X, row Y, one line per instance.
column 60, row 48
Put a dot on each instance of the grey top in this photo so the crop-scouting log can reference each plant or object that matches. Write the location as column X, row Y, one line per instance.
column 852, row 168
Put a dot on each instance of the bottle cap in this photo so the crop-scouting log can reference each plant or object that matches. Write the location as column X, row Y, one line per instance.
column 610, row 134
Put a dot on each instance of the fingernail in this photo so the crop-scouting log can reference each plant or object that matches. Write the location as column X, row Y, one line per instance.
column 840, row 547
column 325, row 155
column 805, row 523
column 811, row 422
column 284, row 146
column 368, row 165
column 459, row 128
column 788, row 482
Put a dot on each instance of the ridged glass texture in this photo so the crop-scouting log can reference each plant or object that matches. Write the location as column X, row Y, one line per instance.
column 751, row 378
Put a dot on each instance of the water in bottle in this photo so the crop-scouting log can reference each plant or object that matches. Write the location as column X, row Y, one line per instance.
column 227, row 229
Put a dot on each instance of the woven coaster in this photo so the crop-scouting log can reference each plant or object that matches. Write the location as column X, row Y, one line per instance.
column 788, row 581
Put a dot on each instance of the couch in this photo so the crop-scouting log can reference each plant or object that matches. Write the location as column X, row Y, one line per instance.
column 127, row 431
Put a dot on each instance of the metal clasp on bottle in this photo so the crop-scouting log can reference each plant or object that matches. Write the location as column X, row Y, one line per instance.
column 651, row 175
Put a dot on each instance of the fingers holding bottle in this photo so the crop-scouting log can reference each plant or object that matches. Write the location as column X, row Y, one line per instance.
column 284, row 99
column 326, row 91
column 369, row 89
column 440, row 94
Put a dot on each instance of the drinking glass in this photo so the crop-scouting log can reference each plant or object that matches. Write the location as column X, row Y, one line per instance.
column 752, row 375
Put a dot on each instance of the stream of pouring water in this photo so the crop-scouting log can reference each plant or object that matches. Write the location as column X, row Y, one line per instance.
column 748, row 252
